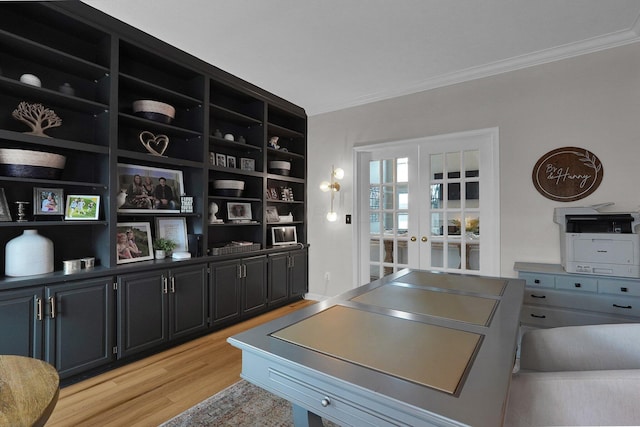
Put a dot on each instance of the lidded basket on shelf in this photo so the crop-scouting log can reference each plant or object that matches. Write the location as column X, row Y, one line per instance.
column 28, row 254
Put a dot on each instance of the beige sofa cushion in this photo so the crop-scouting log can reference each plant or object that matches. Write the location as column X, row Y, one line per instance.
column 579, row 398
column 579, row 348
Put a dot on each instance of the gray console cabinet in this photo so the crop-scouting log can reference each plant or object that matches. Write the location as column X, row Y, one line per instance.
column 554, row 297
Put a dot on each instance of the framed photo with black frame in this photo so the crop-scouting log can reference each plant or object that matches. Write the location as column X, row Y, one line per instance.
column 48, row 201
column 231, row 162
column 133, row 242
column 174, row 229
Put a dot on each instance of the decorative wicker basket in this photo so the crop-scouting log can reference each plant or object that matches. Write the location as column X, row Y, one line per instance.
column 31, row 164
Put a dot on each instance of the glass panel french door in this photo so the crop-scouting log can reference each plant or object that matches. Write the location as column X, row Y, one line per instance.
column 388, row 213
column 428, row 200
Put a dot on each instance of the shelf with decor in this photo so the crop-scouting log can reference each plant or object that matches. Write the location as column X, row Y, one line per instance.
column 90, row 71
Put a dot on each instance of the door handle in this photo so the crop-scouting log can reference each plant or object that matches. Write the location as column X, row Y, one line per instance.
column 52, row 306
column 173, row 285
column 413, row 238
column 424, row 238
column 39, row 305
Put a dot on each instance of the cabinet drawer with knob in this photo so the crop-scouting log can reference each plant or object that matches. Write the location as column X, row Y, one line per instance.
column 584, row 284
column 538, row 280
column 619, row 287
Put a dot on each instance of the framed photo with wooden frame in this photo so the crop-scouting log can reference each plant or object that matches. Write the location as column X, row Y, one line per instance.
column 174, row 229
column 133, row 242
column 82, row 207
column 48, row 201
column 145, row 192
column 5, row 213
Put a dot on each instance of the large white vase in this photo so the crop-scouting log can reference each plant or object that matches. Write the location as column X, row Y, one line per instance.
column 28, row 254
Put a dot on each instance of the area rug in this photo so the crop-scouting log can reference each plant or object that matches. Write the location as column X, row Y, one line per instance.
column 240, row 405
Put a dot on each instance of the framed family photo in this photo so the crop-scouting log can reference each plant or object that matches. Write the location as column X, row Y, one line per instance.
column 173, row 229
column 149, row 189
column 48, row 201
column 82, row 207
column 133, row 242
column 221, row 160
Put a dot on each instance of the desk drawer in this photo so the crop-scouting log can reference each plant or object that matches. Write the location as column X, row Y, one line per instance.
column 328, row 404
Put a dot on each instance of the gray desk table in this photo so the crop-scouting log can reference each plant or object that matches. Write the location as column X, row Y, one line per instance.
column 414, row 348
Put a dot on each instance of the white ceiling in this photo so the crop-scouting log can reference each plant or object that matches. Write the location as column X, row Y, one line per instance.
column 325, row 55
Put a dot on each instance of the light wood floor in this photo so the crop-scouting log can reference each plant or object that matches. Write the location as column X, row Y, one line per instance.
column 153, row 390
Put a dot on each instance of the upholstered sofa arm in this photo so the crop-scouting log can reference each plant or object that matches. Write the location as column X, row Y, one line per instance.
column 581, row 348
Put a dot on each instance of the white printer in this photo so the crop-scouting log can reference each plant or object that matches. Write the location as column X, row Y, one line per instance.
column 592, row 242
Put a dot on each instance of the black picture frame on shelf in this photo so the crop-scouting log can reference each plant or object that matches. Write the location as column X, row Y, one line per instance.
column 231, row 162
column 133, row 242
column 48, row 201
column 5, row 213
column 150, row 194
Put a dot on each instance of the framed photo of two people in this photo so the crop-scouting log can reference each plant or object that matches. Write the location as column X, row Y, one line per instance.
column 149, row 189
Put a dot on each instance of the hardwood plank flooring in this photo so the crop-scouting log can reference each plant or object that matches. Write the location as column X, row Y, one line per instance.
column 153, row 390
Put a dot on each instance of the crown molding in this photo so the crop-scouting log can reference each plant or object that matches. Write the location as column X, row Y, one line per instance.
column 566, row 51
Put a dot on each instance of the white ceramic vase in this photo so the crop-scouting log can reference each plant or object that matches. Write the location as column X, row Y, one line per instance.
column 28, row 254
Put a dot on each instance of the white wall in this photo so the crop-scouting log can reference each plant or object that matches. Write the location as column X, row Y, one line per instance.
column 592, row 101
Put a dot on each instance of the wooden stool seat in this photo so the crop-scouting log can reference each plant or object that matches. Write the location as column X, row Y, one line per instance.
column 29, row 391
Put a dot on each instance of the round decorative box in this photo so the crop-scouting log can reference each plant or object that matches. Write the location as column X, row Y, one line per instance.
column 280, row 167
column 228, row 187
column 154, row 110
column 31, row 164
column 28, row 254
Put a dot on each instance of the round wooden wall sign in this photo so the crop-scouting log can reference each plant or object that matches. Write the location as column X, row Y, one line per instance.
column 567, row 174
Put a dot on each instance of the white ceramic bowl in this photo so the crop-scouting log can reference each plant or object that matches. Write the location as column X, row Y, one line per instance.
column 30, row 79
column 154, row 110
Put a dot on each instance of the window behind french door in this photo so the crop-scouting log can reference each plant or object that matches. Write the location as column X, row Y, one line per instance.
column 423, row 204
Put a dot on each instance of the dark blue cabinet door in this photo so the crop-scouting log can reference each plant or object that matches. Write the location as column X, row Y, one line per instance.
column 21, row 322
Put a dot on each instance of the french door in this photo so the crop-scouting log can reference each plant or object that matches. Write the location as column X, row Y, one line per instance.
column 423, row 202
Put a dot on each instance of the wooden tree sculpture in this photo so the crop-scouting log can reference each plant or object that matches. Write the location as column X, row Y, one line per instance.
column 37, row 117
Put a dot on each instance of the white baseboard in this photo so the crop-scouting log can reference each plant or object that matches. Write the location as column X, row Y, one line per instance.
column 315, row 297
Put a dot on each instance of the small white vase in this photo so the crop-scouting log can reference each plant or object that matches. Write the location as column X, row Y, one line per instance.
column 160, row 254
column 28, row 254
